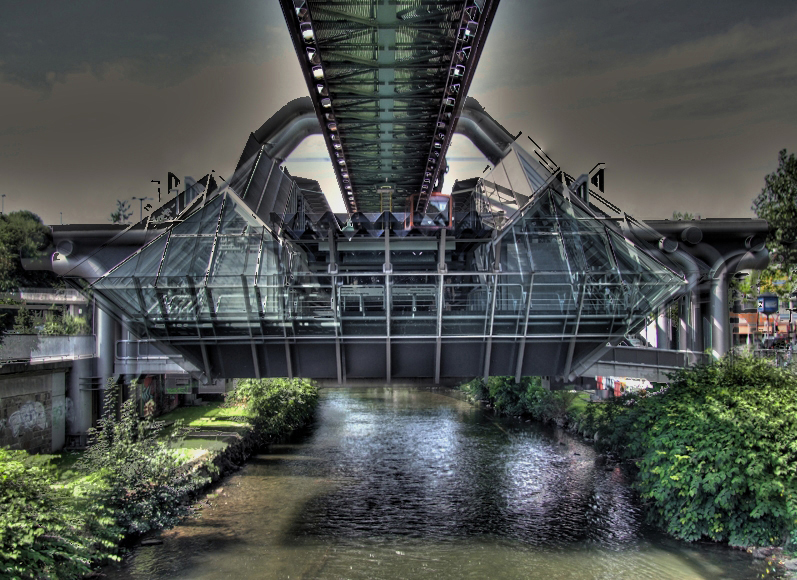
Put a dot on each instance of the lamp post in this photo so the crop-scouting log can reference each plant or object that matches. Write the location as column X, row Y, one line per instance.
column 141, row 201
column 3, row 205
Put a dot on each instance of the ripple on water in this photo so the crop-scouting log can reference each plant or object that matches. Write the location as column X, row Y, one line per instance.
column 406, row 483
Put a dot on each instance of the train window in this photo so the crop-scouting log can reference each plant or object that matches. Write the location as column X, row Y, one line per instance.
column 438, row 205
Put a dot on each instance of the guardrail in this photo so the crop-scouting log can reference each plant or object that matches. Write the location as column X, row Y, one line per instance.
column 654, row 357
column 139, row 350
column 33, row 349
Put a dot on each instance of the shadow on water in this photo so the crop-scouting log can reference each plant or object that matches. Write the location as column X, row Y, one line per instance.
column 408, row 483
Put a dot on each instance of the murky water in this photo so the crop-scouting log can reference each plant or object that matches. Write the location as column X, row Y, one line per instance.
column 408, row 483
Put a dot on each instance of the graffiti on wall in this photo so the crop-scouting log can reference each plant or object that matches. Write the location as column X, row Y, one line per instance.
column 57, row 411
column 30, row 415
column 69, row 411
column 148, row 397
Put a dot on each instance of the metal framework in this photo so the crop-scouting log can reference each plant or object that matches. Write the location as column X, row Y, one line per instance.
column 541, row 292
column 388, row 80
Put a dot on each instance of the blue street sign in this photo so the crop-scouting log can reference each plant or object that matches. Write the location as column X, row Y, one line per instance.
column 768, row 304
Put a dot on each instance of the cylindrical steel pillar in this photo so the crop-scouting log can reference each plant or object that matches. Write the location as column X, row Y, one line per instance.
column 106, row 333
column 718, row 311
column 662, row 322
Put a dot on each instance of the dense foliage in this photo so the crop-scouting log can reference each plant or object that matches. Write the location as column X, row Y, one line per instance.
column 43, row 532
column 136, row 475
column 276, row 406
column 716, row 452
column 23, row 235
column 57, row 323
column 777, row 203
column 525, row 398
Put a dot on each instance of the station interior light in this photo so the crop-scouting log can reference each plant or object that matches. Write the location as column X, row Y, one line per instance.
column 470, row 29
column 313, row 56
column 322, row 90
column 463, row 53
column 332, row 126
column 300, row 6
column 458, row 70
column 307, row 32
column 326, row 103
column 318, row 72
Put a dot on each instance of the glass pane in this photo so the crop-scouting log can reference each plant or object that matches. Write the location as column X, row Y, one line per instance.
column 203, row 221
column 465, row 305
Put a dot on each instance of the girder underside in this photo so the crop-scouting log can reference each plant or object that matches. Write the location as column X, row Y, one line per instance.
column 380, row 74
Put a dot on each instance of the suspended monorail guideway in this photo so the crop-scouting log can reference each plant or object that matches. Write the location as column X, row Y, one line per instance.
column 388, row 80
column 523, row 271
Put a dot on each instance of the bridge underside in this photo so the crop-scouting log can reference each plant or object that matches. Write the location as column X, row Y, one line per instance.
column 297, row 294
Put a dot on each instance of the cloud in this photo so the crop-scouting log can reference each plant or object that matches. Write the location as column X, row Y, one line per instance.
column 749, row 70
column 148, row 41
column 543, row 42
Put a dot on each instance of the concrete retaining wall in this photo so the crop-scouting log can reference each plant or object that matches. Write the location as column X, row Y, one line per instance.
column 34, row 408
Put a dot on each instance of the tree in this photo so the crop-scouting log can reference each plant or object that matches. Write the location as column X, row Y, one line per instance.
column 142, row 480
column 44, row 532
column 122, row 213
column 23, row 235
column 777, row 203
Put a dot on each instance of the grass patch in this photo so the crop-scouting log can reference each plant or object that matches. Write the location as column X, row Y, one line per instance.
column 210, row 415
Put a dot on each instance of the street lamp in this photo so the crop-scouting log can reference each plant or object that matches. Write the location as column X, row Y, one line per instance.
column 141, row 201
column 3, row 205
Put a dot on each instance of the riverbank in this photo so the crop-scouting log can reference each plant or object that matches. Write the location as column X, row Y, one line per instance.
column 712, row 456
column 136, row 478
column 412, row 483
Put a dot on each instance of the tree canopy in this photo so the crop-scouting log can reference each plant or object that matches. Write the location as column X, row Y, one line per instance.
column 23, row 235
column 777, row 203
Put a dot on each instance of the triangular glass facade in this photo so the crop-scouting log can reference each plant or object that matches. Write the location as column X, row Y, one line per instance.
column 569, row 282
column 204, row 276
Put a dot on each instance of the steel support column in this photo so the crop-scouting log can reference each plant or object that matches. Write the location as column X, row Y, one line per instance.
column 441, row 270
column 572, row 346
column 522, row 347
column 489, row 347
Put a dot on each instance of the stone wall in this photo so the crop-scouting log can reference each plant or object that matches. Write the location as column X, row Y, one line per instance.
column 33, row 409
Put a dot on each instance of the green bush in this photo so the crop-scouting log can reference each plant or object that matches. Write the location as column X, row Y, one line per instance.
column 716, row 452
column 525, row 398
column 135, row 475
column 43, row 533
column 276, row 406
column 66, row 325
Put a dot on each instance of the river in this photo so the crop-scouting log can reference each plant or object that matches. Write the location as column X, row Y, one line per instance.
column 412, row 483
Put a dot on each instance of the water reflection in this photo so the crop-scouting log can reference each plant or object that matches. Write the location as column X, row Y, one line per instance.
column 404, row 483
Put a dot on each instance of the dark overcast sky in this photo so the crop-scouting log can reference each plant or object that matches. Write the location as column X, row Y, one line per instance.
column 686, row 102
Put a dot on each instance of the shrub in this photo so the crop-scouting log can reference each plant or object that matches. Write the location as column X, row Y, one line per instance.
column 43, row 534
column 525, row 398
column 276, row 406
column 138, row 477
column 716, row 452
column 66, row 325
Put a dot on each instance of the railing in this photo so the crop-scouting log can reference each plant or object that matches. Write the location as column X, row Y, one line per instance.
column 139, row 350
column 782, row 358
column 35, row 349
column 47, row 296
column 654, row 357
